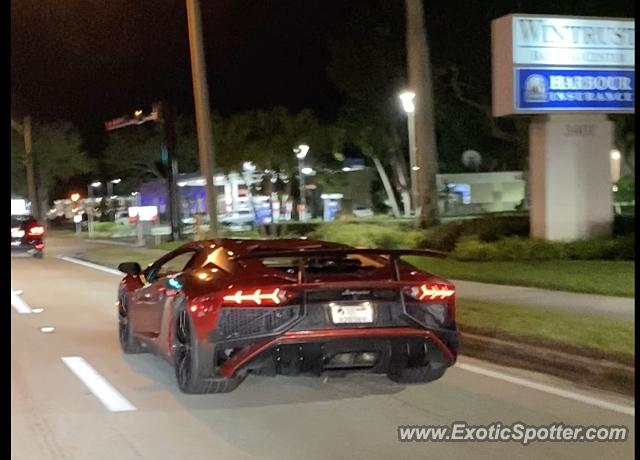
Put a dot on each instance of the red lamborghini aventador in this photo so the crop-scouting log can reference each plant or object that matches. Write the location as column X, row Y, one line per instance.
column 219, row 310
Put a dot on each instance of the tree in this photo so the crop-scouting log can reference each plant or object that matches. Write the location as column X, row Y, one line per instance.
column 267, row 139
column 57, row 156
column 18, row 174
column 625, row 138
column 373, row 143
column 367, row 65
column 421, row 82
column 134, row 153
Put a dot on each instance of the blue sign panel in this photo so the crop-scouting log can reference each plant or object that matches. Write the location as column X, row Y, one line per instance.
column 331, row 208
column 574, row 90
column 263, row 214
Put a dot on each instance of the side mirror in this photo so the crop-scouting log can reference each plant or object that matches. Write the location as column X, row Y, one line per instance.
column 130, row 268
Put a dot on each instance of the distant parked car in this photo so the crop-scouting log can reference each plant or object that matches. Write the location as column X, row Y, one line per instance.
column 244, row 217
column 122, row 217
column 361, row 211
column 27, row 235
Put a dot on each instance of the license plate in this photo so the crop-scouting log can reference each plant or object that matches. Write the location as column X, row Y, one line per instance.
column 15, row 243
column 352, row 314
column 17, row 233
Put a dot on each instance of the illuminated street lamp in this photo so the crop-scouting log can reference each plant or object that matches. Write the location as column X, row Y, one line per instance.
column 110, row 185
column 407, row 98
column 615, row 157
column 301, row 153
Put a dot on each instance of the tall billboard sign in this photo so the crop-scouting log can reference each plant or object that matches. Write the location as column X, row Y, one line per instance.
column 560, row 64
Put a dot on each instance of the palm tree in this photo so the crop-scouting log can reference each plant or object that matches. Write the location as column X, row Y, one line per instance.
column 420, row 82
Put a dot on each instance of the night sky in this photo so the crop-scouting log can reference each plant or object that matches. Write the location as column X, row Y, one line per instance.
column 91, row 60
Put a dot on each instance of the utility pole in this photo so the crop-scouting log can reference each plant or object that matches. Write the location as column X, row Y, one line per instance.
column 203, row 114
column 167, row 120
column 25, row 131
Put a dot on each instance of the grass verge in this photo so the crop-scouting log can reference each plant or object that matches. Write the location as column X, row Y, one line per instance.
column 605, row 277
column 580, row 334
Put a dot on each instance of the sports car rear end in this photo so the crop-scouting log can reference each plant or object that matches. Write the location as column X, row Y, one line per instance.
column 384, row 318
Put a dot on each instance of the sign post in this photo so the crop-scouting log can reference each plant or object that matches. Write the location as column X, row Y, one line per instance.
column 141, row 214
column 568, row 73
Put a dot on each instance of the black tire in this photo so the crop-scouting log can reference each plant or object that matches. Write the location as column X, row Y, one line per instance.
column 38, row 255
column 128, row 343
column 187, row 364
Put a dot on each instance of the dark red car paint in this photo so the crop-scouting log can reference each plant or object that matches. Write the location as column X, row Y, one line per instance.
column 203, row 301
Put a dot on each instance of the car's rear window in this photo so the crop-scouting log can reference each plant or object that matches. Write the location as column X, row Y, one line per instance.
column 349, row 263
column 16, row 221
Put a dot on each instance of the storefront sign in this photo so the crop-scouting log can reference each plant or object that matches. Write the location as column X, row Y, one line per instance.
column 551, row 64
column 552, row 89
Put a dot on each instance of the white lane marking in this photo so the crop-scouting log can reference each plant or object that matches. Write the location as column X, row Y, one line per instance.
column 627, row 410
column 47, row 329
column 17, row 292
column 91, row 265
column 19, row 305
column 103, row 390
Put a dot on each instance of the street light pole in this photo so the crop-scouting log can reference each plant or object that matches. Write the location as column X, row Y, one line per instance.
column 203, row 115
column 301, row 152
column 303, row 198
column 90, row 210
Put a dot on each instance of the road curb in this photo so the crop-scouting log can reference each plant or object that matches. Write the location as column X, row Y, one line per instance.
column 597, row 373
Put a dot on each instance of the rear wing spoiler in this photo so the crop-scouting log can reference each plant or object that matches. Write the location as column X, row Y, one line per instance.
column 304, row 254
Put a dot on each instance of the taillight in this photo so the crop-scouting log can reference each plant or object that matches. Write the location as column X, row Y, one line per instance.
column 432, row 305
column 429, row 292
column 257, row 297
column 36, row 230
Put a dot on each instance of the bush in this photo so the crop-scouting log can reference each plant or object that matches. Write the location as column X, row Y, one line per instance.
column 441, row 237
column 624, row 225
column 295, row 228
column 620, row 248
column 494, row 228
column 444, row 237
column 471, row 248
column 110, row 227
column 364, row 235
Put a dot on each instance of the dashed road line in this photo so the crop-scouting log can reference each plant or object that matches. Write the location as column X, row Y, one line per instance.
column 111, row 398
column 18, row 304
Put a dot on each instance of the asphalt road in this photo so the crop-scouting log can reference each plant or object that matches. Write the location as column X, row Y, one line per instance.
column 54, row 415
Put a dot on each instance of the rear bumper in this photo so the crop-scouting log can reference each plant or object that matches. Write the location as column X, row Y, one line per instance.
column 29, row 247
column 301, row 351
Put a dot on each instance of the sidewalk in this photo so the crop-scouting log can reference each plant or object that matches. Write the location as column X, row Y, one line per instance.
column 611, row 307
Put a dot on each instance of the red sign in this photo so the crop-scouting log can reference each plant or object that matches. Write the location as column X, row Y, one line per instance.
column 115, row 123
